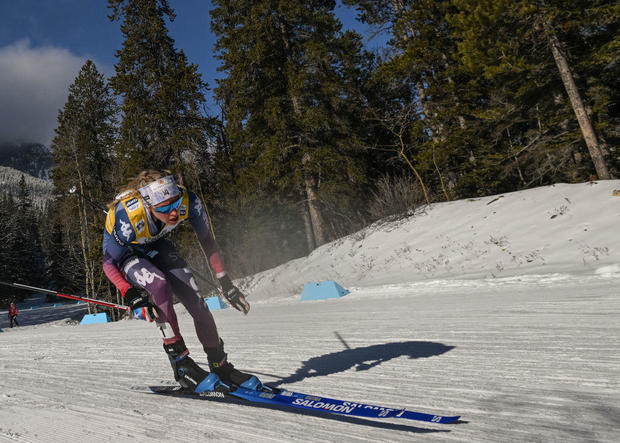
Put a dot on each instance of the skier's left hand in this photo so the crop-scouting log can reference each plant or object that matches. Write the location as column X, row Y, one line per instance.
column 138, row 301
column 233, row 295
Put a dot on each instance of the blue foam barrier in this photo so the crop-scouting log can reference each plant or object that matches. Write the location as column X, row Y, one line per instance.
column 215, row 303
column 57, row 304
column 91, row 319
column 323, row 290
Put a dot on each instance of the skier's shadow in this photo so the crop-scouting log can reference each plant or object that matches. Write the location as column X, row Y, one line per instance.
column 362, row 359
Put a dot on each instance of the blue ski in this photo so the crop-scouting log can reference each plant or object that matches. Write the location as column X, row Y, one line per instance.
column 334, row 406
column 279, row 397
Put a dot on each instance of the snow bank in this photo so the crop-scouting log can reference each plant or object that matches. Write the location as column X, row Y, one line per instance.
column 563, row 228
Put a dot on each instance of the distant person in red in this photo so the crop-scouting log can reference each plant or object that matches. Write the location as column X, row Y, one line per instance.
column 13, row 314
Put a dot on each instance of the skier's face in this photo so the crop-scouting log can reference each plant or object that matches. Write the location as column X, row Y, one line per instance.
column 171, row 214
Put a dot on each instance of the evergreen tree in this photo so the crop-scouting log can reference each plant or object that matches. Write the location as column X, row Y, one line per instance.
column 422, row 107
column 491, row 82
column 162, row 93
column 292, row 101
column 21, row 256
column 30, row 258
column 9, row 268
column 64, row 260
column 83, row 150
column 533, row 90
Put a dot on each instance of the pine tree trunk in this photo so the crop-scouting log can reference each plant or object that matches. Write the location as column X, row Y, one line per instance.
column 88, row 277
column 597, row 151
column 436, row 128
column 315, row 232
column 84, row 243
column 315, row 214
column 305, row 215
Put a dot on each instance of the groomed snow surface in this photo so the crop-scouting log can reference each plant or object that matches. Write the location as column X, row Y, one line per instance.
column 504, row 310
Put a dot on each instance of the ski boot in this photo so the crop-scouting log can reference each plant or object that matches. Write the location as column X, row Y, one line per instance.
column 219, row 364
column 186, row 372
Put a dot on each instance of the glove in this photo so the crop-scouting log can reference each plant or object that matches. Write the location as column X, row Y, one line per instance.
column 233, row 295
column 138, row 301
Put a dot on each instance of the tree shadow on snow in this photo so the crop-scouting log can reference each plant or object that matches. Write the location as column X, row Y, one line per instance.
column 363, row 358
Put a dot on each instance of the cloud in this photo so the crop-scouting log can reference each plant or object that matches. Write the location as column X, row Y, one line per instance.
column 34, row 84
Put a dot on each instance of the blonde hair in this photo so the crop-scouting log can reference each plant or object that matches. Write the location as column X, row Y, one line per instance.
column 142, row 179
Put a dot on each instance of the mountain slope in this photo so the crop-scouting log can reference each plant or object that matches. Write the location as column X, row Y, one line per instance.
column 41, row 191
column 32, row 158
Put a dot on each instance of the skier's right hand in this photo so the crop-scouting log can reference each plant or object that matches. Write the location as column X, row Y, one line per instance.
column 138, row 301
column 233, row 295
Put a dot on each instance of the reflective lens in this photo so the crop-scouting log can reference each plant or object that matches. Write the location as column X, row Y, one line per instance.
column 169, row 207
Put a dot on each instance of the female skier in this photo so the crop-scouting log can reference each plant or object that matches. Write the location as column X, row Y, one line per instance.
column 137, row 258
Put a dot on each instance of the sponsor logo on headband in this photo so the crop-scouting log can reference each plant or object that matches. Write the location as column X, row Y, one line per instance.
column 159, row 191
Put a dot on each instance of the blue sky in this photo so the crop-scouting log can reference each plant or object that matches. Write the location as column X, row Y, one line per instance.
column 44, row 43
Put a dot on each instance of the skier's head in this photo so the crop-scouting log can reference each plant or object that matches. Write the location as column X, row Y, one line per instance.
column 163, row 198
column 159, row 192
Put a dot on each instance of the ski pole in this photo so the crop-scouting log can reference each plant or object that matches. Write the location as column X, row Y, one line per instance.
column 205, row 279
column 74, row 191
column 73, row 297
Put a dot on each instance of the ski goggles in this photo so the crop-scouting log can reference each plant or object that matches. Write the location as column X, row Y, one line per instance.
column 170, row 206
column 159, row 191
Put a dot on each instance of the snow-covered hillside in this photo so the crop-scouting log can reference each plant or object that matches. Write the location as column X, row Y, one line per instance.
column 563, row 228
column 41, row 191
column 31, row 158
column 504, row 310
